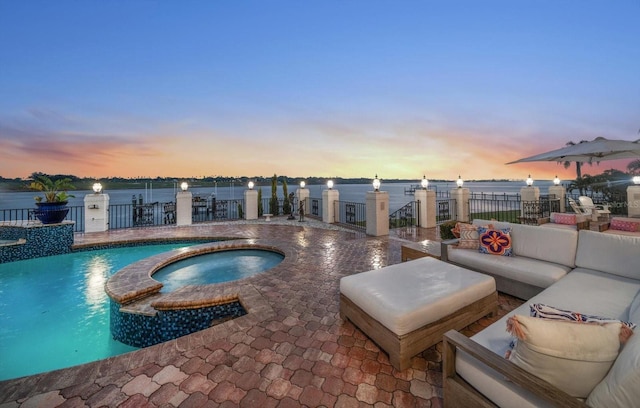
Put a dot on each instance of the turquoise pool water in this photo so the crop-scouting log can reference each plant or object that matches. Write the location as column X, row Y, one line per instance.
column 216, row 267
column 54, row 312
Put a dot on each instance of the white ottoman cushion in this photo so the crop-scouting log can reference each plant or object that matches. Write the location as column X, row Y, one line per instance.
column 407, row 296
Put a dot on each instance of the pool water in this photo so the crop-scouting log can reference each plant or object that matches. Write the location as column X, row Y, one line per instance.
column 54, row 312
column 216, row 267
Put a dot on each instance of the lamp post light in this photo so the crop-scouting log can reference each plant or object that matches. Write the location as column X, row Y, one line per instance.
column 302, row 184
column 97, row 188
column 459, row 182
column 251, row 184
column 184, row 186
column 330, row 184
column 424, row 183
column 376, row 184
column 556, row 181
column 636, row 180
column 529, row 181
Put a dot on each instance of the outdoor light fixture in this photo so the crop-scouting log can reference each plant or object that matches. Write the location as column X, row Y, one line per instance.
column 97, row 188
column 330, row 184
column 459, row 182
column 302, row 184
column 376, row 184
column 636, row 179
column 251, row 185
column 424, row 183
column 556, row 181
column 529, row 181
column 184, row 186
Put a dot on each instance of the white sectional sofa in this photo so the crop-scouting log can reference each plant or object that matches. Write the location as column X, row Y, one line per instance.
column 541, row 257
column 602, row 279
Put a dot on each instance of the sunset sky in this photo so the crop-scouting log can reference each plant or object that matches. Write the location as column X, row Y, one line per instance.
column 313, row 88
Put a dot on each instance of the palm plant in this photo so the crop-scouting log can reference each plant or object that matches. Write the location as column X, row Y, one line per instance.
column 54, row 191
column 634, row 166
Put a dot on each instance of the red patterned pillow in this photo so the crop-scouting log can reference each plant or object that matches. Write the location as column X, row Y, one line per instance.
column 569, row 219
column 622, row 225
column 495, row 241
column 468, row 236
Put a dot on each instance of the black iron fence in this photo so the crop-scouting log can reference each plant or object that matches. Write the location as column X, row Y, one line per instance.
column 352, row 215
column 446, row 210
column 407, row 216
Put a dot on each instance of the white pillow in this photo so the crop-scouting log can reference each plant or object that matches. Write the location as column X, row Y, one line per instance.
column 574, row 357
column 621, row 387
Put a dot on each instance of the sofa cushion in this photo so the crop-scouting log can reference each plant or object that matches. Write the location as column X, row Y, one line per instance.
column 573, row 356
column 563, row 218
column 612, row 253
column 548, row 244
column 495, row 241
column 584, row 290
column 634, row 309
column 527, row 270
column 620, row 389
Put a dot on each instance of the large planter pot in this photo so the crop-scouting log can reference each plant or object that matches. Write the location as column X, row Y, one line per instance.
column 51, row 213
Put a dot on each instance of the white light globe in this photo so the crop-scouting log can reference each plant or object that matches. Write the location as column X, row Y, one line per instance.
column 459, row 182
column 636, row 179
column 330, row 184
column 376, row 183
column 529, row 181
column 97, row 188
column 251, row 185
column 556, row 181
column 424, row 183
column 184, row 186
column 302, row 184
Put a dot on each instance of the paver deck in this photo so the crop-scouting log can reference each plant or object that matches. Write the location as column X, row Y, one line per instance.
column 298, row 352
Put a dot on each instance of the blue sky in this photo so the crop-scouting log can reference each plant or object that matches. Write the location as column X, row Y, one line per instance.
column 300, row 88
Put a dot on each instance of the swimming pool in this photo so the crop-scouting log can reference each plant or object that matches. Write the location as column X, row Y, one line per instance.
column 216, row 267
column 54, row 312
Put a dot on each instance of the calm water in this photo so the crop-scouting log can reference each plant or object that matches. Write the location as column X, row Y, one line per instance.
column 54, row 312
column 216, row 267
column 348, row 192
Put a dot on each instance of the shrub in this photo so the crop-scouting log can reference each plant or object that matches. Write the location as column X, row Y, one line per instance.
column 445, row 230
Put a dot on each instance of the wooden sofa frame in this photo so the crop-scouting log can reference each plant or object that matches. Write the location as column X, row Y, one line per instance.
column 460, row 394
column 402, row 348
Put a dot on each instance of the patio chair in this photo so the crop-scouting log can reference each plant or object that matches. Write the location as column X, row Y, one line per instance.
column 577, row 208
column 596, row 211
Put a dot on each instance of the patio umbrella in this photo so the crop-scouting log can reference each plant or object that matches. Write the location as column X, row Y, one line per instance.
column 596, row 150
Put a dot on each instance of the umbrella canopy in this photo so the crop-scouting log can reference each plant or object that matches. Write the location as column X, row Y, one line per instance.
column 596, row 150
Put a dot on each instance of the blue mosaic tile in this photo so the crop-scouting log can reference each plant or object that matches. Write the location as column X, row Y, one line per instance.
column 142, row 331
column 40, row 240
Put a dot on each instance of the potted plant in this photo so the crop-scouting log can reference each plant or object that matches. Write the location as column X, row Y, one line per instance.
column 54, row 208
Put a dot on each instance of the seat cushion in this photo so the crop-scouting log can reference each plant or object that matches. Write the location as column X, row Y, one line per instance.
column 547, row 244
column 409, row 295
column 527, row 270
column 612, row 253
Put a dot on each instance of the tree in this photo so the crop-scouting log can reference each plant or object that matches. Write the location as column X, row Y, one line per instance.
column 567, row 164
column 260, row 207
column 634, row 166
column 273, row 203
column 286, row 204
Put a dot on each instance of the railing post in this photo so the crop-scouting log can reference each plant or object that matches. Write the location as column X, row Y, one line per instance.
column 528, row 194
column 96, row 212
column 426, row 208
column 559, row 192
column 377, row 208
column 251, row 204
column 183, row 208
column 329, row 198
column 461, row 195
column 633, row 201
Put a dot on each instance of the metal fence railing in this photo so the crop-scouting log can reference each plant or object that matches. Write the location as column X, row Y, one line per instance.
column 407, row 216
column 352, row 215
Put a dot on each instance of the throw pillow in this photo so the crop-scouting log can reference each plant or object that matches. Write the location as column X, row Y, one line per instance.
column 456, row 230
column 574, row 357
column 495, row 241
column 622, row 225
column 562, row 218
column 550, row 312
column 468, row 237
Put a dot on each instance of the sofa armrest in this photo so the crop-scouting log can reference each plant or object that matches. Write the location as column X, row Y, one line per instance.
column 454, row 340
column 444, row 248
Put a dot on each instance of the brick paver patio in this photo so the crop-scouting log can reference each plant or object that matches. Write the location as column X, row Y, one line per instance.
column 299, row 354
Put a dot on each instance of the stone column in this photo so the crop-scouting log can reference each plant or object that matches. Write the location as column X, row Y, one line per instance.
column 302, row 194
column 250, row 204
column 528, row 194
column 427, row 209
column 329, row 199
column 184, row 208
column 560, row 193
column 462, row 195
column 377, row 208
column 96, row 212
column 633, row 201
